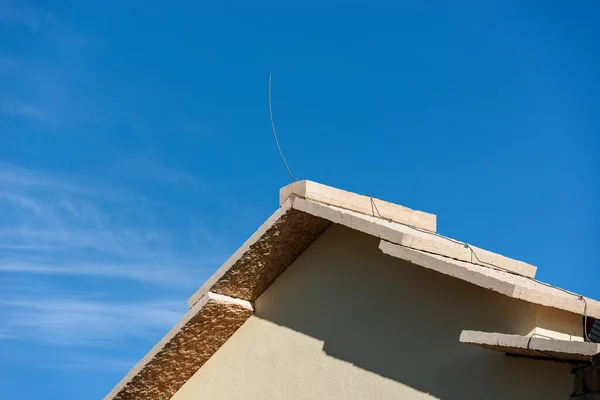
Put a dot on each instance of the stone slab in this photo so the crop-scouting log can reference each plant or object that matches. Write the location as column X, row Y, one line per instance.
column 532, row 346
column 363, row 204
column 511, row 285
column 412, row 238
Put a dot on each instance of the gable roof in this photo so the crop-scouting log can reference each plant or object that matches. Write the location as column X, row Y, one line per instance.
column 307, row 209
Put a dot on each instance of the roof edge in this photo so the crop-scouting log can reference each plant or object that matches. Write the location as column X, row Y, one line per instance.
column 266, row 254
column 184, row 349
column 402, row 234
column 511, row 285
column 395, row 232
column 367, row 205
column 532, row 346
column 285, row 207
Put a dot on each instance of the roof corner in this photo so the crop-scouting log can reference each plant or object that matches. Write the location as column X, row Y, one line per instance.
column 363, row 204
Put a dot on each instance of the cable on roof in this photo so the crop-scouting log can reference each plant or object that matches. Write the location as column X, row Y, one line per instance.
column 540, row 351
column 275, row 134
column 474, row 254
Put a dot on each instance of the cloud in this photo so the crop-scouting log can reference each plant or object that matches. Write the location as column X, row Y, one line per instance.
column 30, row 16
column 81, row 322
column 54, row 226
column 159, row 274
column 21, row 201
column 89, row 270
column 96, row 363
column 144, row 169
column 18, row 177
column 19, row 109
column 78, row 358
column 7, row 63
column 38, row 87
column 52, row 232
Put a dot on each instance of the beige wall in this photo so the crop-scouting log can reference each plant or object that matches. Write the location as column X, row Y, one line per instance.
column 348, row 322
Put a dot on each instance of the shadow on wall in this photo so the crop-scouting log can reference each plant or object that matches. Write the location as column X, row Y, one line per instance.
column 403, row 322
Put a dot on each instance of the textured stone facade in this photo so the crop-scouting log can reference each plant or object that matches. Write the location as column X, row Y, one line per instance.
column 266, row 259
column 184, row 353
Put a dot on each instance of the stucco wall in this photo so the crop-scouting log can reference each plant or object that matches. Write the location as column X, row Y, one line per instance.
column 348, row 322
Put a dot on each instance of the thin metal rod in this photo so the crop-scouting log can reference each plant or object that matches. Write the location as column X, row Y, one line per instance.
column 275, row 135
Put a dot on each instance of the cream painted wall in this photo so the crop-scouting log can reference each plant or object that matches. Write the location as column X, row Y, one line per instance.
column 348, row 322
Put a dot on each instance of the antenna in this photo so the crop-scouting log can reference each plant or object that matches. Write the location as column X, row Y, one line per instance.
column 275, row 134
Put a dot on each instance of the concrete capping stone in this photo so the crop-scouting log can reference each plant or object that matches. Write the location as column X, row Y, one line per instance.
column 508, row 284
column 184, row 349
column 531, row 346
column 363, row 204
column 412, row 238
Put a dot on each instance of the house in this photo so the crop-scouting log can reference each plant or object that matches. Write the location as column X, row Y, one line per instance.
column 343, row 296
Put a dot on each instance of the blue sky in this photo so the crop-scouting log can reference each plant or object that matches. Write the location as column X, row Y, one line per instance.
column 136, row 152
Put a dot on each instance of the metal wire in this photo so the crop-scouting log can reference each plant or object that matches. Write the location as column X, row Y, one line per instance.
column 540, row 351
column 275, row 134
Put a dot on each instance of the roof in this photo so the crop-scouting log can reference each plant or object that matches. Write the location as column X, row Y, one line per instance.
column 306, row 210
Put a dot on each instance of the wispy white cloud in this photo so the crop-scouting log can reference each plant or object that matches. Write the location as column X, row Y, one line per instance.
column 91, row 268
column 86, row 323
column 102, row 232
column 145, row 169
column 63, row 90
column 7, row 63
column 41, row 91
column 159, row 274
column 39, row 88
column 126, row 242
column 70, row 242
column 20, row 109
column 21, row 201
column 95, row 363
column 79, row 358
column 18, row 178
column 30, row 16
